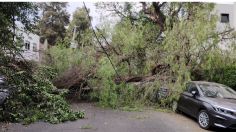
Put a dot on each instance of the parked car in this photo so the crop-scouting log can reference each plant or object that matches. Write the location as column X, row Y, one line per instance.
column 212, row 104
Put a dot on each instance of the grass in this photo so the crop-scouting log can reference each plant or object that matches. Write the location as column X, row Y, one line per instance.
column 127, row 108
column 139, row 117
column 87, row 126
column 164, row 110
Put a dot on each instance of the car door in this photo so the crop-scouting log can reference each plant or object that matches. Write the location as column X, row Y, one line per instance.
column 193, row 103
column 184, row 99
column 189, row 103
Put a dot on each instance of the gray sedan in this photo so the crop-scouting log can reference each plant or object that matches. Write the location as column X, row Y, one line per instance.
column 212, row 104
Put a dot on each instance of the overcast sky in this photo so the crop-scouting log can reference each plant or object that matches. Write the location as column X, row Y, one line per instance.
column 93, row 12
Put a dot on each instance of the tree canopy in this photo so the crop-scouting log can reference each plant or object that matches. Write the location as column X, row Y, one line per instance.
column 53, row 21
column 81, row 23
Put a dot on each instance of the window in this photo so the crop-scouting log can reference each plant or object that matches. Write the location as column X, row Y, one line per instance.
column 34, row 47
column 27, row 45
column 224, row 18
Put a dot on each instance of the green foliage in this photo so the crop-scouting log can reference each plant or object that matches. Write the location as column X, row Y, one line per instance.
column 32, row 96
column 62, row 58
column 81, row 24
column 53, row 21
column 139, row 49
column 225, row 75
column 111, row 94
column 117, row 96
column 107, row 95
column 135, row 45
column 217, row 66
column 32, row 99
column 46, row 72
column 188, row 42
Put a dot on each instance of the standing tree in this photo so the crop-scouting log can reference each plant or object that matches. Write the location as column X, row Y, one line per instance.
column 81, row 24
column 53, row 21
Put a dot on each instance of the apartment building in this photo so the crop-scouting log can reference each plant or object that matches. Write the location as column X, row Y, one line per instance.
column 227, row 15
column 227, row 21
column 30, row 48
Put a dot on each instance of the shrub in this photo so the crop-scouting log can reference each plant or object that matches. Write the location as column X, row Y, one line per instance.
column 225, row 75
column 32, row 99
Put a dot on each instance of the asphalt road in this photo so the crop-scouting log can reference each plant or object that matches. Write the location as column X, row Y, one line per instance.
column 107, row 120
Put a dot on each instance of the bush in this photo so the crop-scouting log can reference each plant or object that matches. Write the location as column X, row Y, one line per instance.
column 32, row 99
column 224, row 75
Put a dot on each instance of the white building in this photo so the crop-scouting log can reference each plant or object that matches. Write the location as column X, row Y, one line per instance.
column 227, row 15
column 227, row 21
column 30, row 44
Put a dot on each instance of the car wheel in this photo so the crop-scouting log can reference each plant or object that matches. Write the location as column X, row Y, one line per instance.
column 204, row 119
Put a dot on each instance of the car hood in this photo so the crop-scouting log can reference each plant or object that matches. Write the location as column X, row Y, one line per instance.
column 224, row 103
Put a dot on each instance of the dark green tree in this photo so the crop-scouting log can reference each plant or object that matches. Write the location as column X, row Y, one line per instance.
column 53, row 21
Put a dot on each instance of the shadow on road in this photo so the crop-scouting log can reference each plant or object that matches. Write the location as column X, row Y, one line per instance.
column 214, row 129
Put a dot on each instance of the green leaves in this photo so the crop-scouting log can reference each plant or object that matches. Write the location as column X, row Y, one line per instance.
column 34, row 100
column 53, row 22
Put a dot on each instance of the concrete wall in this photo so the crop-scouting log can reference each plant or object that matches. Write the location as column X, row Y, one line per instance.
column 30, row 54
column 226, row 9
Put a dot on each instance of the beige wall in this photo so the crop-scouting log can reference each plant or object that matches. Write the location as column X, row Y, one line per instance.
column 229, row 9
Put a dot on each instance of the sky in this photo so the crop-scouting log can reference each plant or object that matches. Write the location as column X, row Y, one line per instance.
column 95, row 12
column 90, row 5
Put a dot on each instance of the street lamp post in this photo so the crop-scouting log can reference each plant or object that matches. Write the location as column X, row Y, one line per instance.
column 74, row 44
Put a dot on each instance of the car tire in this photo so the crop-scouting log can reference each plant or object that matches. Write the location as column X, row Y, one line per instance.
column 204, row 119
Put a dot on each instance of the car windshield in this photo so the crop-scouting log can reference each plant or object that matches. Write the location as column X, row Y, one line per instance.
column 217, row 91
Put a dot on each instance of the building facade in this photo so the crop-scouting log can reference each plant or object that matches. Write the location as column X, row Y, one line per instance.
column 226, row 22
column 30, row 48
column 227, row 15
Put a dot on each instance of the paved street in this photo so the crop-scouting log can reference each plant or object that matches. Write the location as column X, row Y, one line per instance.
column 107, row 120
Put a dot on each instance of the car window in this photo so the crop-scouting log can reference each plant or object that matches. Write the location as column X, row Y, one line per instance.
column 217, row 90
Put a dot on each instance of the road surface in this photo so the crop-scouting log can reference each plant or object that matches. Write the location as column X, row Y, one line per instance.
column 107, row 120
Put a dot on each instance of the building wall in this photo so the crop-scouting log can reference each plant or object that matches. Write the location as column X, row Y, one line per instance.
column 226, row 9
column 33, row 39
column 42, row 52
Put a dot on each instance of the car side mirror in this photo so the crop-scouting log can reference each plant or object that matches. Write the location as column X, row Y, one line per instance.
column 194, row 93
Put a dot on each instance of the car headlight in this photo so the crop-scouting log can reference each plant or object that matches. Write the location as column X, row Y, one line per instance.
column 223, row 110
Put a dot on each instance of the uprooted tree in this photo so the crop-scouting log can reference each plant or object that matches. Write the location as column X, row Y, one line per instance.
column 157, row 45
column 162, row 44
